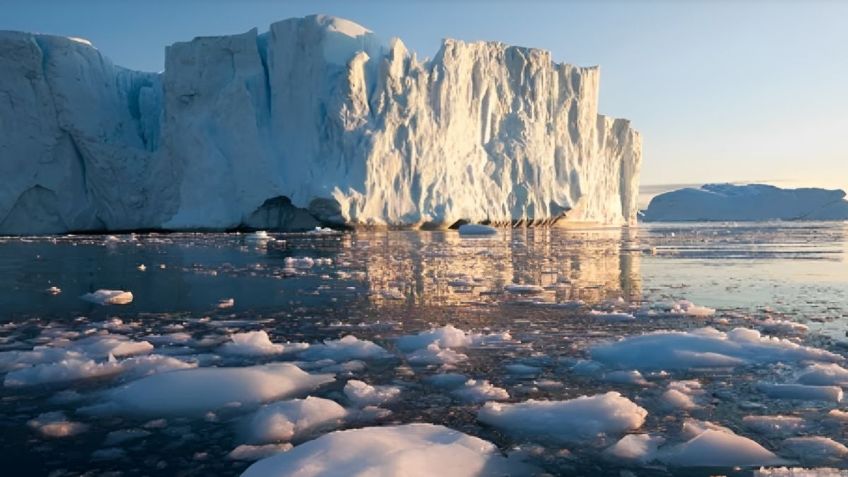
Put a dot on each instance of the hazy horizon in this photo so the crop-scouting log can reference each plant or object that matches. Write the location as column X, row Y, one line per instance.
column 721, row 92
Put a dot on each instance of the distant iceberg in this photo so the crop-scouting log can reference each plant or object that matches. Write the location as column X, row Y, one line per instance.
column 728, row 202
column 316, row 122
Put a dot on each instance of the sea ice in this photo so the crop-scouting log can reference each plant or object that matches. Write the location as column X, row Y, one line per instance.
column 55, row 424
column 362, row 394
column 411, row 450
column 345, row 349
column 816, row 450
column 109, row 297
column 718, row 448
column 703, row 348
column 289, row 420
column 449, row 336
column 801, row 392
column 200, row 390
column 257, row 343
column 433, row 354
column 775, row 425
column 640, row 448
column 251, row 453
column 818, row 374
column 582, row 418
column 480, row 391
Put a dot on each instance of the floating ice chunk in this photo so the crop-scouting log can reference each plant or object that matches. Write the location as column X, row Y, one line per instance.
column 587, row 367
column 109, row 453
column 53, row 290
column 256, row 343
column 288, row 420
column 251, row 453
column 693, row 427
column 345, row 349
column 299, row 262
column 74, row 369
column 677, row 308
column 799, row 472
column 781, row 326
column 801, row 392
column 362, row 394
column 775, row 425
column 433, row 354
column 640, row 448
column 838, row 415
column 816, row 450
column 575, row 419
column 225, row 303
column 411, row 450
column 449, row 336
column 476, row 229
column 524, row 289
column 703, row 348
column 142, row 268
column 481, row 391
column 259, row 237
column 109, row 297
column 626, row 377
column 683, row 394
column 200, row 390
column 447, row 380
column 611, row 316
column 105, row 345
column 715, row 448
column 55, row 424
column 818, row 374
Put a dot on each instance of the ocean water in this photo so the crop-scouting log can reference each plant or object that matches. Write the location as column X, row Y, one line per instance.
column 379, row 286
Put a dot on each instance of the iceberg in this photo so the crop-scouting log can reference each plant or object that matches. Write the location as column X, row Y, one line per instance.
column 728, row 202
column 315, row 122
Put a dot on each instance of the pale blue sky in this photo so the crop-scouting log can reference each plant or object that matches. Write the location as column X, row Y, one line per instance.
column 722, row 91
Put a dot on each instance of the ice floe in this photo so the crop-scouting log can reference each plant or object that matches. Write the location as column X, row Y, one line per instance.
column 411, row 450
column 480, row 391
column 818, row 374
column 56, row 424
column 716, row 446
column 703, row 348
column 816, row 450
column 775, row 425
column 683, row 394
column 476, row 229
column 362, row 394
column 801, row 392
column 345, row 349
column 574, row 419
column 638, row 448
column 288, row 420
column 433, row 354
column 200, row 390
column 109, row 297
column 258, row 343
column 251, row 452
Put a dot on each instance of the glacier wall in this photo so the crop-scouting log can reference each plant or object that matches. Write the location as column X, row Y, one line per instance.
column 315, row 121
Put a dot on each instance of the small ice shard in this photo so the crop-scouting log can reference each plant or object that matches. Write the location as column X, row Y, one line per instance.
column 480, row 391
column 142, row 268
column 225, row 303
column 299, row 262
column 575, row 419
column 476, row 230
column 362, row 394
column 410, row 450
column 677, row 308
column 287, row 420
column 801, row 392
column 109, row 297
column 611, row 316
column 55, row 424
column 53, row 290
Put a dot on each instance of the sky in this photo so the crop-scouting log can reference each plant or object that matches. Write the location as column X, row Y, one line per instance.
column 722, row 91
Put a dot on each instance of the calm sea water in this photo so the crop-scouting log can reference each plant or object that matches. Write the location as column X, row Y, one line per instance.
column 381, row 285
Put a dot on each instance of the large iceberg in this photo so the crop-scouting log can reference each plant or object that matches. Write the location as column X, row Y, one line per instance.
column 720, row 202
column 316, row 121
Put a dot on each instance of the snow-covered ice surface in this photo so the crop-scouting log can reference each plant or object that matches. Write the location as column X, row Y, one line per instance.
column 494, row 337
column 309, row 123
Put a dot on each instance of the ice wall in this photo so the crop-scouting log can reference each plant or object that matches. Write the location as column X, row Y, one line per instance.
column 317, row 120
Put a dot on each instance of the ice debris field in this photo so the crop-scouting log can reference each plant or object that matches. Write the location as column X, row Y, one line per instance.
column 514, row 353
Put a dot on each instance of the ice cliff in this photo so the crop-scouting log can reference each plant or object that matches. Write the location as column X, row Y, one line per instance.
column 315, row 121
column 721, row 202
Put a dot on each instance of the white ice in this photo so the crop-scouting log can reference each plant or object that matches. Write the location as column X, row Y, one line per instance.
column 109, row 297
column 362, row 394
column 288, row 420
